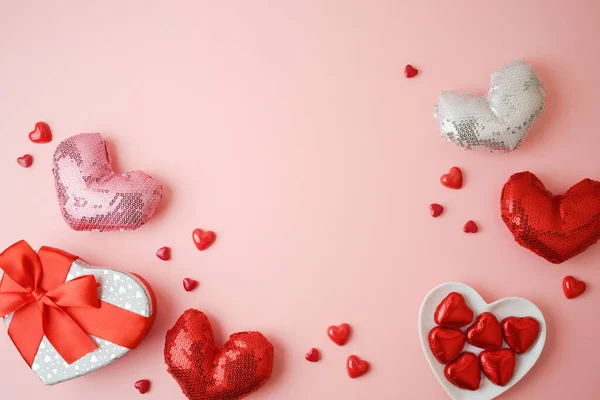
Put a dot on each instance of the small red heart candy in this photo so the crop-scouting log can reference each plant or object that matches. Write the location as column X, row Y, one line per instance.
column 25, row 161
column 453, row 312
column 339, row 334
column 189, row 284
column 312, row 355
column 464, row 372
column 436, row 210
column 486, row 332
column 41, row 133
column 498, row 365
column 470, row 227
column 164, row 253
column 203, row 239
column 356, row 367
column 446, row 343
column 453, row 179
column 572, row 287
column 520, row 333
column 410, row 71
column 143, row 385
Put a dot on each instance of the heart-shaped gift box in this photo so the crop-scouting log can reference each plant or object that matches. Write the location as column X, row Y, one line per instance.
column 66, row 318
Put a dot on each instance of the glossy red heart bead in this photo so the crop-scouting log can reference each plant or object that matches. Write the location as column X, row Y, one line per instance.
column 446, row 343
column 339, row 334
column 356, row 367
column 520, row 333
column 189, row 284
column 453, row 312
column 203, row 239
column 464, row 372
column 453, row 179
column 553, row 227
column 313, row 355
column 41, row 133
column 164, row 253
column 143, row 386
column 470, row 227
column 485, row 332
column 410, row 71
column 25, row 161
column 572, row 287
column 436, row 210
column 498, row 365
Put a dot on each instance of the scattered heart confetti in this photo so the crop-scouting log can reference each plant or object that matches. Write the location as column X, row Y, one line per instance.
column 164, row 253
column 356, row 367
column 446, row 343
column 572, row 287
column 143, row 385
column 189, row 284
column 453, row 179
column 203, row 239
column 25, row 161
column 520, row 333
column 485, row 332
column 464, row 372
column 339, row 334
column 453, row 312
column 470, row 227
column 41, row 133
column 436, row 210
column 410, row 71
column 498, row 365
column 313, row 355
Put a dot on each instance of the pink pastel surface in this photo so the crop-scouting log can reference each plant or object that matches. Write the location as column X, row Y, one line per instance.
column 289, row 129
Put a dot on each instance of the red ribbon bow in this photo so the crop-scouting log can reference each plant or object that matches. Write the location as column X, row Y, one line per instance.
column 34, row 288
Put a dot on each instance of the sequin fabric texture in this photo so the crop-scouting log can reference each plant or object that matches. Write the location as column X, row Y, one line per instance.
column 553, row 227
column 498, row 121
column 207, row 372
column 92, row 196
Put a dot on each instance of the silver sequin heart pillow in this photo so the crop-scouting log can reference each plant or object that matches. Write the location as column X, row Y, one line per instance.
column 498, row 121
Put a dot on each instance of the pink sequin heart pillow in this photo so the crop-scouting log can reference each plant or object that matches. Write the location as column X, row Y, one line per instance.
column 92, row 196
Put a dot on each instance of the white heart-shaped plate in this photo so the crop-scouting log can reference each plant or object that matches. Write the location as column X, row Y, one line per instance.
column 509, row 306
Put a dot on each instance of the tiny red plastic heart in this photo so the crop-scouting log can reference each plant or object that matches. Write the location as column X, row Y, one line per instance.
column 410, row 71
column 203, row 239
column 41, row 133
column 446, row 343
column 189, row 284
column 470, row 227
column 520, row 333
column 453, row 179
column 339, row 334
column 485, row 332
column 453, row 312
column 164, row 253
column 572, row 287
column 464, row 372
column 143, row 385
column 312, row 355
column 498, row 365
column 436, row 210
column 356, row 367
column 25, row 161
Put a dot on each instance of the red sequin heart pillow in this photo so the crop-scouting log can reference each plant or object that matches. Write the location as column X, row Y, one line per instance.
column 553, row 227
column 208, row 372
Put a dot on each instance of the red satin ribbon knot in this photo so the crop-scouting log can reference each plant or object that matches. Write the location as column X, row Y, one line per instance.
column 34, row 289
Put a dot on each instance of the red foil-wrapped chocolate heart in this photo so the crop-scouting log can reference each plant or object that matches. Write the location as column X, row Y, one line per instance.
column 208, row 372
column 498, row 365
column 464, row 372
column 553, row 227
column 485, row 332
column 446, row 343
column 453, row 312
column 520, row 333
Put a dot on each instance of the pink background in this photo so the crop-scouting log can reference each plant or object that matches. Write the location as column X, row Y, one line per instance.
column 289, row 129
